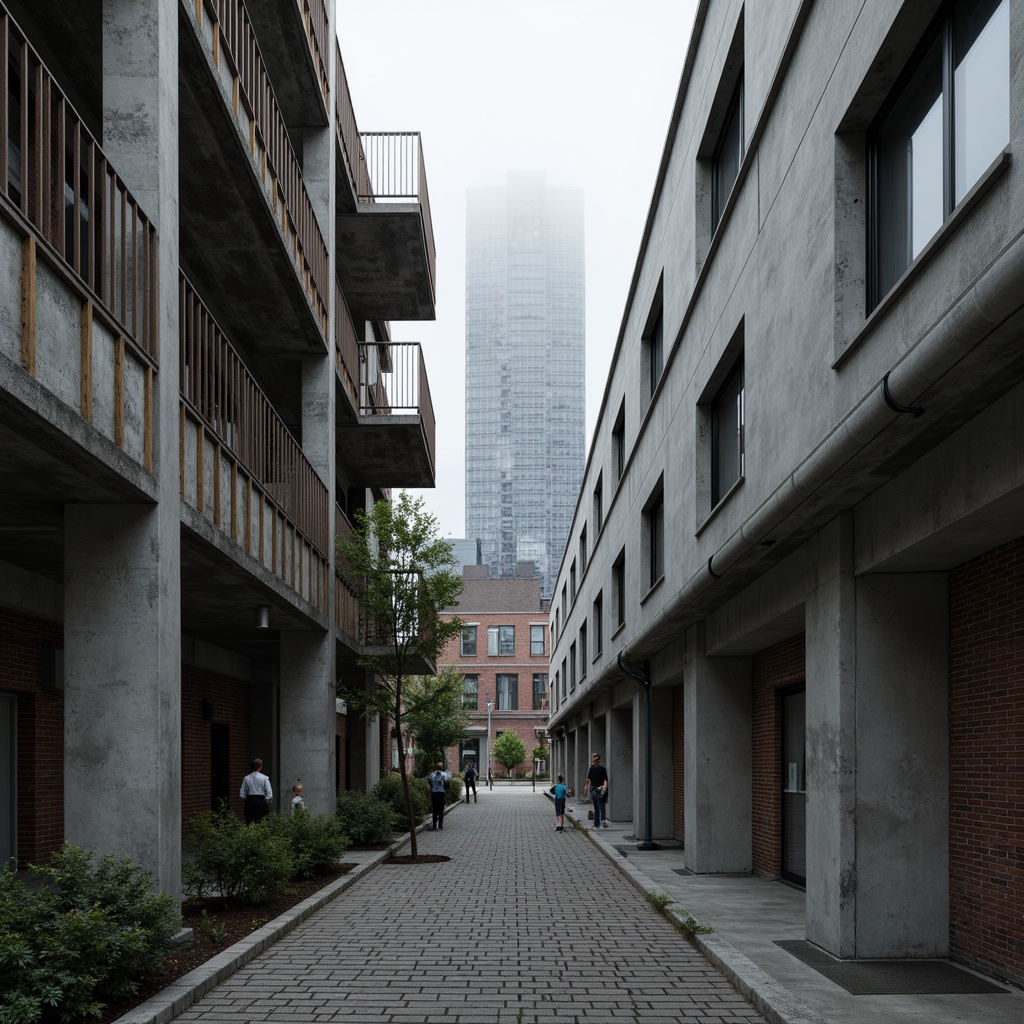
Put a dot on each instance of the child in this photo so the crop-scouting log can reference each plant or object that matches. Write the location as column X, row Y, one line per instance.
column 298, row 804
column 561, row 792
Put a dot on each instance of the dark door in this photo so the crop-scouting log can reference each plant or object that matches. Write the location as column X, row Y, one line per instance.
column 220, row 765
column 794, row 787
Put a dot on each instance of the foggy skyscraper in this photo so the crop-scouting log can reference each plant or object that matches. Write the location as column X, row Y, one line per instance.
column 525, row 362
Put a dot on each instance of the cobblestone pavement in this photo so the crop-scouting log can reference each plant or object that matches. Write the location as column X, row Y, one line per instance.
column 524, row 925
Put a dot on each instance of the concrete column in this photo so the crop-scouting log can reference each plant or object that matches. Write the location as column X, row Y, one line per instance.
column 620, row 765
column 662, row 785
column 902, row 766
column 307, row 719
column 122, row 591
column 264, row 731
column 718, row 760
column 831, row 731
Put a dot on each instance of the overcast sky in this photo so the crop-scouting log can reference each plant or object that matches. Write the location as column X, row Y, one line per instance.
column 581, row 89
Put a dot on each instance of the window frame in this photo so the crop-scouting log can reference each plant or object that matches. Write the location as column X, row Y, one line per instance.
column 533, row 643
column 654, row 536
column 542, row 699
column 467, row 678
column 619, row 442
column 734, row 116
column 719, row 489
column 463, row 646
column 619, row 591
column 597, row 615
column 502, row 641
column 511, row 683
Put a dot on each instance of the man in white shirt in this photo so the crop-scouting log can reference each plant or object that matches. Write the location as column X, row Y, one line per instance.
column 257, row 793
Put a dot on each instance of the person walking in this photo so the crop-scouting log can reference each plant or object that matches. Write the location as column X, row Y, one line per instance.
column 597, row 786
column 438, row 782
column 560, row 791
column 256, row 792
column 298, row 804
column 469, row 777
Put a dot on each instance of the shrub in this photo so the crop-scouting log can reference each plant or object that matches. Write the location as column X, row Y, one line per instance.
column 364, row 820
column 86, row 937
column 238, row 862
column 316, row 841
column 389, row 791
column 454, row 792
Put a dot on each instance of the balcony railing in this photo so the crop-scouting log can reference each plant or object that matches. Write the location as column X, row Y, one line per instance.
column 346, row 344
column 314, row 17
column 393, row 380
column 55, row 174
column 346, row 606
column 392, row 171
column 345, row 124
column 233, row 39
column 215, row 382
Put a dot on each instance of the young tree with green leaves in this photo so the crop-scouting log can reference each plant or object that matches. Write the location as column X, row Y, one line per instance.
column 509, row 750
column 435, row 716
column 404, row 575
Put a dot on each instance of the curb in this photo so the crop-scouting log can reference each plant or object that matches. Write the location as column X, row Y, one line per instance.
column 177, row 997
column 770, row 998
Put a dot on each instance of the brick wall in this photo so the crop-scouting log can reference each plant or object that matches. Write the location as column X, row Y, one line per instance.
column 230, row 699
column 986, row 700
column 40, row 728
column 774, row 669
column 677, row 764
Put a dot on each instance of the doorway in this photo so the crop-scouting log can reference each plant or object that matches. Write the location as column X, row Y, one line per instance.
column 794, row 786
column 220, row 765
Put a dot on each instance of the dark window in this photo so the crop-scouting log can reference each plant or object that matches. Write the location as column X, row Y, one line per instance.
column 501, row 641
column 597, row 617
column 725, row 164
column 508, row 692
column 468, row 641
column 470, row 693
column 540, row 691
column 536, row 640
column 599, row 505
column 572, row 667
column 572, row 582
column 583, row 651
column 946, row 121
column 583, row 549
column 619, row 442
column 619, row 590
column 727, row 435
column 654, row 343
column 654, row 523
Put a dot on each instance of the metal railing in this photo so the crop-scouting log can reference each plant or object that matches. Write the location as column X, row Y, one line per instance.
column 55, row 174
column 392, row 170
column 393, row 379
column 224, row 396
column 235, row 40
column 346, row 344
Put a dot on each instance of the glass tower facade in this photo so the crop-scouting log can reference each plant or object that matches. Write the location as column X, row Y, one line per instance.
column 525, row 363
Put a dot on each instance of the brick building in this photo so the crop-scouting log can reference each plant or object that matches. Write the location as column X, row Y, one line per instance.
column 198, row 388
column 793, row 583
column 503, row 655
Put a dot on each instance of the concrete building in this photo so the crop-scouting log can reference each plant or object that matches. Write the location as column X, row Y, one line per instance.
column 525, row 359
column 197, row 388
column 503, row 655
column 799, row 534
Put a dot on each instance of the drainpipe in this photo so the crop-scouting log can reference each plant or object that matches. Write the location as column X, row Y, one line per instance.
column 995, row 296
column 645, row 840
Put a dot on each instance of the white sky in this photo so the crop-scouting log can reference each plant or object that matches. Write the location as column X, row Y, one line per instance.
column 581, row 89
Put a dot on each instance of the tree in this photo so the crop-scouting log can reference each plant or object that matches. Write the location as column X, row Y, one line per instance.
column 509, row 750
column 434, row 711
column 540, row 753
column 404, row 575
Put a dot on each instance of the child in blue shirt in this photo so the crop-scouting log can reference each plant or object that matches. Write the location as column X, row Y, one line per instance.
column 561, row 792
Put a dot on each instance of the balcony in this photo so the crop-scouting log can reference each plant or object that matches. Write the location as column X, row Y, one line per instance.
column 391, row 442
column 385, row 236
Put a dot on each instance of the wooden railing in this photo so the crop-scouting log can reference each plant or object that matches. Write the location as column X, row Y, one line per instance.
column 346, row 606
column 233, row 40
column 346, row 345
column 265, row 493
column 314, row 17
column 345, row 124
column 55, row 174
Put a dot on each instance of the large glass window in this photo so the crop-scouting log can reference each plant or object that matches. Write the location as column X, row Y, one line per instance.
column 725, row 164
column 536, row 640
column 501, row 641
column 946, row 121
column 470, row 693
column 469, row 641
column 508, row 691
column 540, row 691
column 727, row 413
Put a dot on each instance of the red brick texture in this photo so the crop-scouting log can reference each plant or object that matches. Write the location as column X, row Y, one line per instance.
column 677, row 764
column 774, row 670
column 40, row 728
column 986, row 761
column 230, row 698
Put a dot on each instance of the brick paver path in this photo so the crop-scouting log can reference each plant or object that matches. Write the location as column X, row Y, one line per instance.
column 524, row 925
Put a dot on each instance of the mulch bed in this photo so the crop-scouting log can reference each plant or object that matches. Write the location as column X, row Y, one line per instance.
column 420, row 858
column 237, row 922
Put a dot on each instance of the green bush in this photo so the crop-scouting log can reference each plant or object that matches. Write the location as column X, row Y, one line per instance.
column 316, row 841
column 422, row 764
column 85, row 937
column 238, row 862
column 389, row 791
column 454, row 792
column 365, row 820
